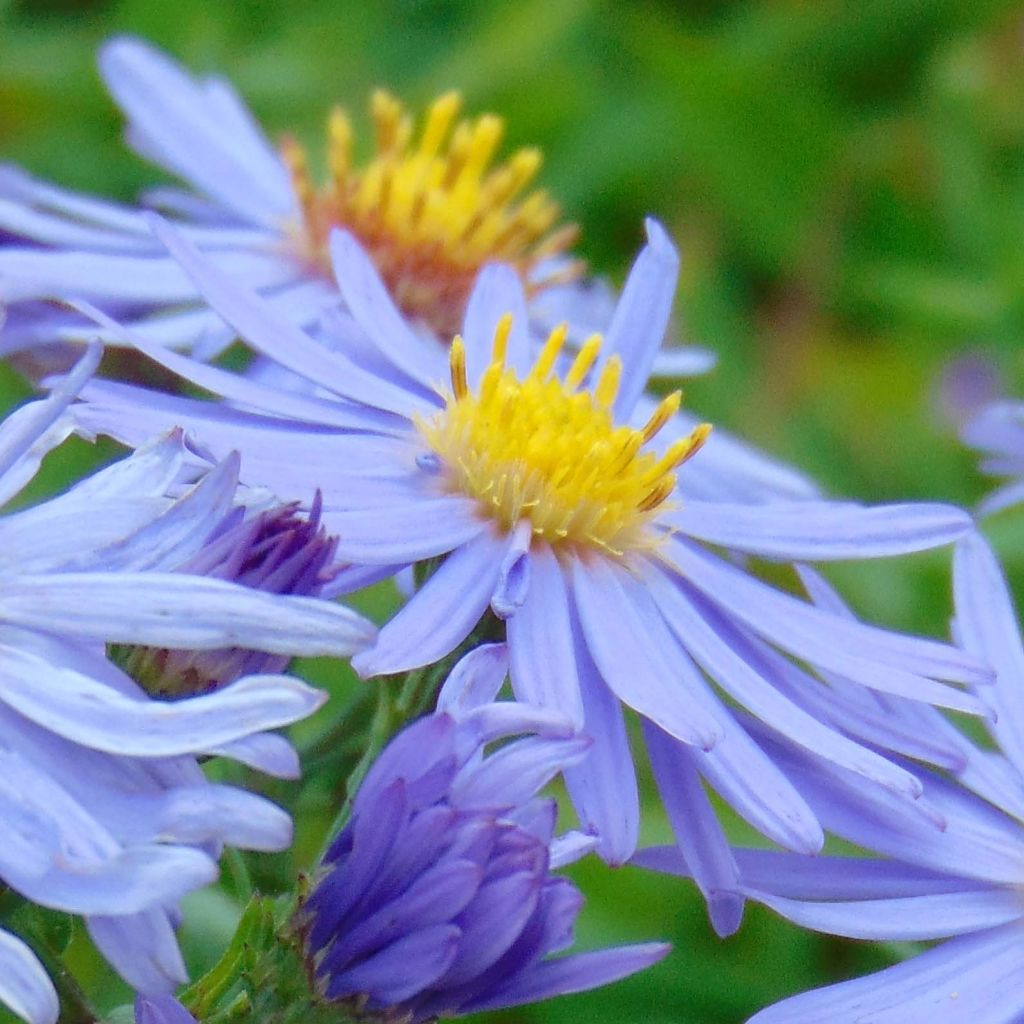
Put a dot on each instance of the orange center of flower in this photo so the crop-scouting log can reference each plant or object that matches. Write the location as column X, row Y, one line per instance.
column 541, row 449
column 432, row 210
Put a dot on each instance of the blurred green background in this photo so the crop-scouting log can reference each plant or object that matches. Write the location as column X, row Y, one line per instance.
column 846, row 182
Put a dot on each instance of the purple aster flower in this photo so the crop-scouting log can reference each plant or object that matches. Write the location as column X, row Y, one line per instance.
column 430, row 205
column 570, row 514
column 437, row 899
column 106, row 811
column 998, row 433
column 961, row 884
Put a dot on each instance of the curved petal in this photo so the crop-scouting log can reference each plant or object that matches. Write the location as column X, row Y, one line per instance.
column 987, row 626
column 603, row 785
column 176, row 610
column 142, row 949
column 25, row 987
column 441, row 614
column 89, row 712
column 577, row 973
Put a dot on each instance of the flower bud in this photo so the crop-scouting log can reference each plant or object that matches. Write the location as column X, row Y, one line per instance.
column 277, row 551
column 437, row 899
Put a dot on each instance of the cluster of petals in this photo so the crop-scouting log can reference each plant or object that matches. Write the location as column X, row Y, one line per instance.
column 960, row 883
column 106, row 811
column 437, row 899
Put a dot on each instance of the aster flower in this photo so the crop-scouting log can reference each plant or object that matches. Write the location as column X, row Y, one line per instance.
column 562, row 511
column 107, row 812
column 998, row 433
column 961, row 884
column 431, row 205
column 438, row 898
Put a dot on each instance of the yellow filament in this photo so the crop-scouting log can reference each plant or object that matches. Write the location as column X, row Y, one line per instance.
column 540, row 449
column 431, row 210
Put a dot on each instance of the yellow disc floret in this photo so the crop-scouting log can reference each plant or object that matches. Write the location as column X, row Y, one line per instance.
column 540, row 449
column 430, row 210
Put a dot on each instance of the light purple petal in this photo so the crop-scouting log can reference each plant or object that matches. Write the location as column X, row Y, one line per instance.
column 972, row 978
column 368, row 301
column 988, row 627
column 408, row 532
column 25, row 988
column 180, row 611
column 193, row 136
column 441, row 614
column 496, row 292
column 722, row 651
column 92, row 713
column 474, row 681
column 603, row 785
column 142, row 949
column 697, row 830
column 892, row 661
column 821, row 531
column 578, row 973
column 932, row 916
column 642, row 314
column 540, row 641
column 634, row 652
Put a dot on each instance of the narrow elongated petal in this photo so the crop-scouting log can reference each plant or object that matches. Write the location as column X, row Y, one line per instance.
column 368, row 301
column 176, row 114
column 576, row 973
column 441, row 615
column 496, row 293
column 820, row 531
column 697, row 830
column 540, row 641
column 82, row 709
column 642, row 314
column 631, row 647
column 179, row 611
column 25, row 988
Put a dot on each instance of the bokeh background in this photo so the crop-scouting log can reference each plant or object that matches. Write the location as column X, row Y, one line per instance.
column 846, row 183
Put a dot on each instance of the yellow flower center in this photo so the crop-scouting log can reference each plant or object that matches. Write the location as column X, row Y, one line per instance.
column 430, row 211
column 543, row 450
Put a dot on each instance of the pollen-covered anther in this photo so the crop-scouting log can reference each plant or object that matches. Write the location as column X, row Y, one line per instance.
column 541, row 449
column 430, row 210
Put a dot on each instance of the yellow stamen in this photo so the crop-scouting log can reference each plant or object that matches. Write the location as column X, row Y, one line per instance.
column 430, row 207
column 667, row 408
column 584, row 360
column 539, row 449
column 457, row 362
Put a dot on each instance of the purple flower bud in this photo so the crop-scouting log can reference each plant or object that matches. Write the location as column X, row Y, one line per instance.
column 437, row 898
column 161, row 1009
column 277, row 551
